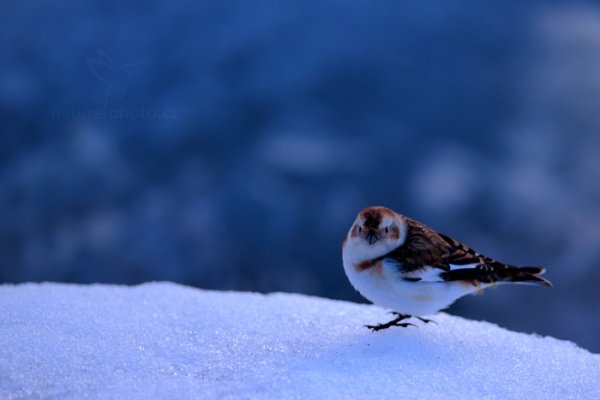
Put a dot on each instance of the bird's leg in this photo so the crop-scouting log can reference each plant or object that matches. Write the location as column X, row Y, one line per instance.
column 424, row 320
column 394, row 322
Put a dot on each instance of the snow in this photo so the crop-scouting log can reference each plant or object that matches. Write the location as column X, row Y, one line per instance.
column 162, row 340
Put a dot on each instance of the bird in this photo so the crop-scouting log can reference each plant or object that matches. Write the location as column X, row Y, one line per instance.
column 404, row 265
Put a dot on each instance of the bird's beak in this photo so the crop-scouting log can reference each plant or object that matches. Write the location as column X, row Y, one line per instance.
column 371, row 238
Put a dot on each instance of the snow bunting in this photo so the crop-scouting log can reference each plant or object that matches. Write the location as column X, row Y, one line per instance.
column 402, row 264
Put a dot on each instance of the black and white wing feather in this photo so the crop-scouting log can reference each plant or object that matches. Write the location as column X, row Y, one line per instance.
column 429, row 257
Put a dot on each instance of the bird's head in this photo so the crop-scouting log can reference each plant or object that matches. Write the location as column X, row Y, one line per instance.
column 375, row 232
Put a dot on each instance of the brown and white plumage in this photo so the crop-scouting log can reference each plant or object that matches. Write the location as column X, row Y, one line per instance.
column 404, row 265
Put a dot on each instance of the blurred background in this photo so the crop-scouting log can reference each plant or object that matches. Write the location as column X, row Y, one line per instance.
column 229, row 144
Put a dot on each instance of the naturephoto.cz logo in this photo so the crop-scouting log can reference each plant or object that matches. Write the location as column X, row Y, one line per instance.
column 120, row 113
column 116, row 78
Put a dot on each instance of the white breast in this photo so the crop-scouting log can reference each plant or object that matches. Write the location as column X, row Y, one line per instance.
column 385, row 287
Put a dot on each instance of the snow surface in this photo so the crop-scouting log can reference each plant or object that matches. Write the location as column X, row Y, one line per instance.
column 162, row 340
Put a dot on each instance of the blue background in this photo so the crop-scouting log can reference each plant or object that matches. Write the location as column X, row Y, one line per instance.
column 229, row 144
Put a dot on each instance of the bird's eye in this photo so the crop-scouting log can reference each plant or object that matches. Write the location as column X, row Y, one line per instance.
column 360, row 229
column 386, row 229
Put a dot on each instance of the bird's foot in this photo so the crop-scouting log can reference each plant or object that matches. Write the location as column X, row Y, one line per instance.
column 397, row 314
column 425, row 320
column 395, row 322
column 379, row 327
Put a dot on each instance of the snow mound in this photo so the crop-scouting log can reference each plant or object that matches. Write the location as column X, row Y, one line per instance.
column 162, row 340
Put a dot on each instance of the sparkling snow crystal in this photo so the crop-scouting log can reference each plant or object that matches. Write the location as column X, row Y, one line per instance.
column 165, row 341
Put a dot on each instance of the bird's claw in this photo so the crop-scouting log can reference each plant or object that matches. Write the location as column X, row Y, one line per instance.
column 425, row 320
column 375, row 328
column 396, row 322
column 396, row 313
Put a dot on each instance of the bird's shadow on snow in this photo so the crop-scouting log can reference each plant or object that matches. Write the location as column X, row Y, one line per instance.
column 362, row 351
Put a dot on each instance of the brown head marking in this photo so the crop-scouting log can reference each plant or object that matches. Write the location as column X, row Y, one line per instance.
column 374, row 215
column 372, row 219
column 394, row 233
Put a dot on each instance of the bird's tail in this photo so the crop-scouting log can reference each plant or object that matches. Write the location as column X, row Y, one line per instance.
column 526, row 275
column 496, row 272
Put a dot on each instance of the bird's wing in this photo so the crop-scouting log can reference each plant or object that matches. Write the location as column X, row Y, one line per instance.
column 430, row 256
column 422, row 248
